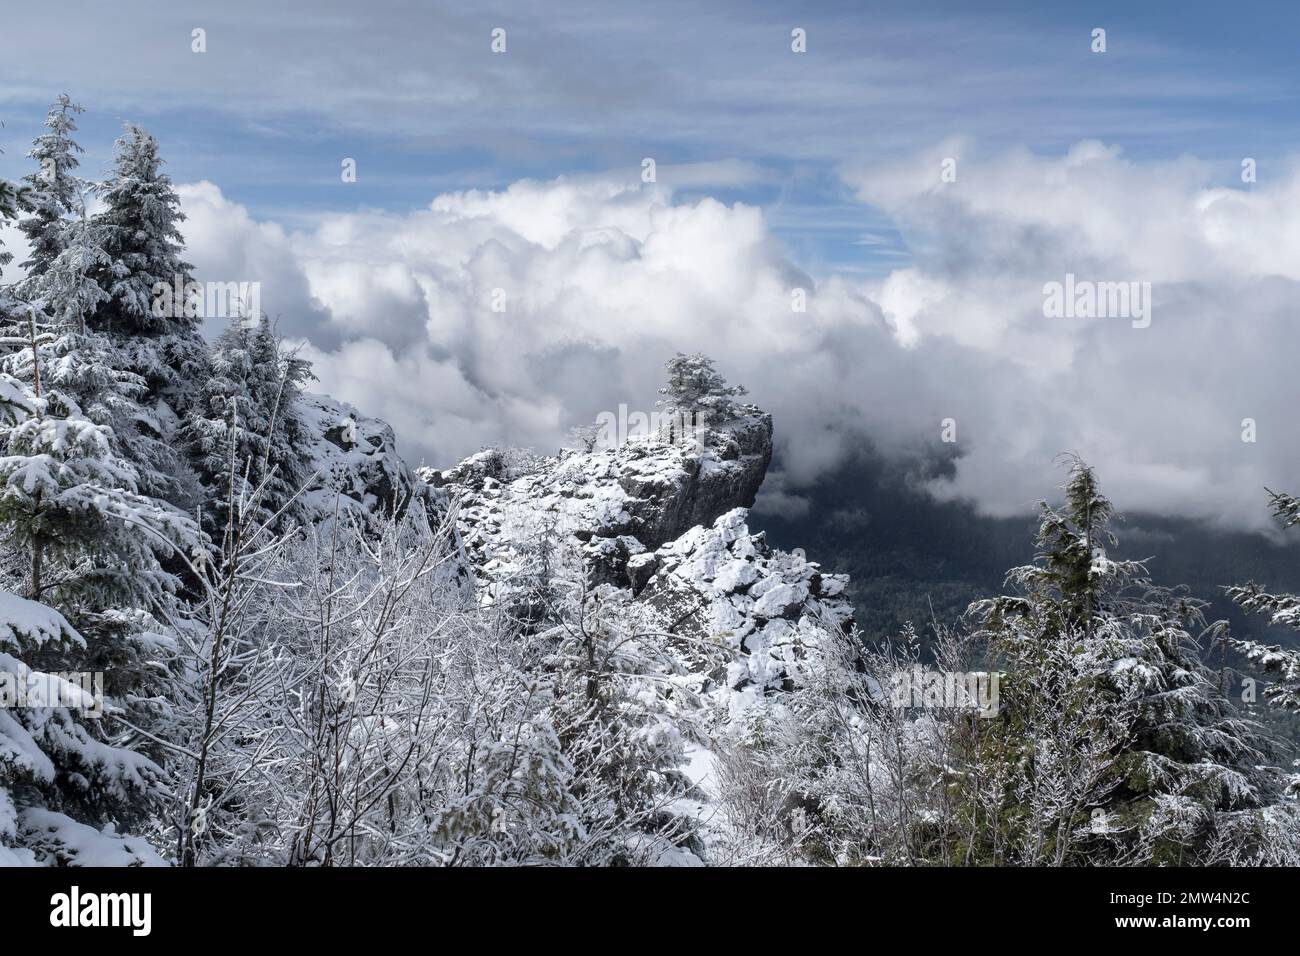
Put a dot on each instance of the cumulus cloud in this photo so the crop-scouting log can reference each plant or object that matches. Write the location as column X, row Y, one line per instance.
column 602, row 278
column 1158, row 409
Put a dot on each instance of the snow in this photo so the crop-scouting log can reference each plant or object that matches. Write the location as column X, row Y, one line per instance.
column 700, row 769
column 15, row 396
column 734, row 575
column 62, row 841
column 27, row 625
column 19, row 750
column 780, row 600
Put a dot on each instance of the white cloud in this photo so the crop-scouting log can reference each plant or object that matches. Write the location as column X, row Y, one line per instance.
column 604, row 278
column 1159, row 410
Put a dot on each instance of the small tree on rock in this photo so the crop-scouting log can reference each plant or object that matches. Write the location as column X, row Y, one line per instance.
column 695, row 388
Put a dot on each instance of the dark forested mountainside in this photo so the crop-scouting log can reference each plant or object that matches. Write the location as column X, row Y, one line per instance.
column 912, row 558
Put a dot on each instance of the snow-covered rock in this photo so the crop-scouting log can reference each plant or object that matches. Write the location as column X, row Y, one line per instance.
column 620, row 502
column 725, row 585
column 358, row 475
column 668, row 523
column 356, row 465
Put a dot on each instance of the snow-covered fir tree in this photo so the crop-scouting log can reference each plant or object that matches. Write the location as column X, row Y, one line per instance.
column 1092, row 648
column 138, row 229
column 696, row 388
column 54, row 190
column 90, row 545
column 243, row 427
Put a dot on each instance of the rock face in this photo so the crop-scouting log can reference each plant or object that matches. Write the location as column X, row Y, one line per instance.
column 357, row 468
column 723, row 585
column 666, row 521
column 619, row 502
column 724, row 471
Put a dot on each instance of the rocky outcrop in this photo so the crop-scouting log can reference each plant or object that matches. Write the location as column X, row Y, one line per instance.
column 658, row 530
column 357, row 468
column 725, row 472
column 665, row 520
column 723, row 585
column 618, row 503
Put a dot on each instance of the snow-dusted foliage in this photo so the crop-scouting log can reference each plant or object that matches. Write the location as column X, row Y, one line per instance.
column 244, row 425
column 52, row 760
column 84, row 539
column 312, row 655
column 81, row 535
column 1283, row 610
column 348, row 705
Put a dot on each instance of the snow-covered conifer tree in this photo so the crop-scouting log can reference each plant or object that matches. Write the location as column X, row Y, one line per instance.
column 54, row 189
column 65, row 792
column 91, row 545
column 70, row 502
column 138, row 230
column 695, row 387
column 75, row 534
column 243, row 426
column 1177, row 754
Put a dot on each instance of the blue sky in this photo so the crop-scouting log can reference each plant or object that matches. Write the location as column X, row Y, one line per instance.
column 413, row 92
column 480, row 172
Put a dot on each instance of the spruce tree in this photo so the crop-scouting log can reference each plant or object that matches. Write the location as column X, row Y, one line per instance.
column 138, row 230
column 54, row 189
column 141, row 218
column 696, row 388
column 244, row 427
column 1084, row 628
